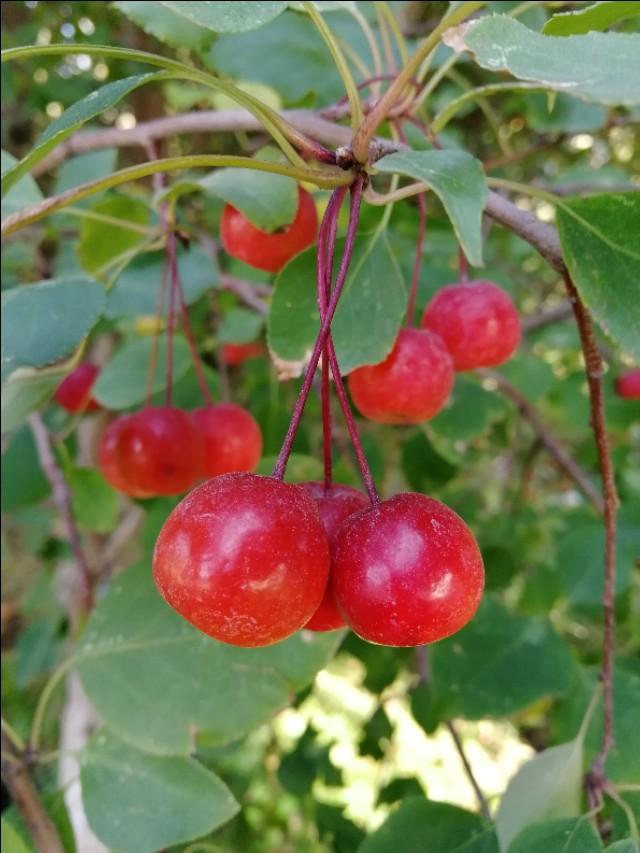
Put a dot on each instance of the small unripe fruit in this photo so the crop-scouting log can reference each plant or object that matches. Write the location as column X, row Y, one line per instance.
column 628, row 385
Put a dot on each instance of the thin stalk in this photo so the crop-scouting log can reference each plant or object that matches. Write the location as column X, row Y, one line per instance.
column 171, row 313
column 153, row 355
column 111, row 220
column 12, row 734
column 44, row 699
column 417, row 263
column 370, row 38
column 354, row 215
column 463, row 266
column 377, row 115
column 326, row 251
column 386, row 41
column 328, row 178
column 478, row 94
column 387, row 12
column 195, row 355
column 325, row 394
column 341, row 64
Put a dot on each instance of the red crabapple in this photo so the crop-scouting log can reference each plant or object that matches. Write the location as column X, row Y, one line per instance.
column 235, row 354
column 411, row 385
column 477, row 321
column 628, row 385
column 74, row 392
column 231, row 437
column 406, row 571
column 242, row 240
column 243, row 558
column 335, row 503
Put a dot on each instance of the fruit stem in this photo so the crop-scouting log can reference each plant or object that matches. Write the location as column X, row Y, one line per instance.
column 153, row 356
column 173, row 282
column 417, row 263
column 195, row 355
column 326, row 251
column 354, row 215
column 463, row 266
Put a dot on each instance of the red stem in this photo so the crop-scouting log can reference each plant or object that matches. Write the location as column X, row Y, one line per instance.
column 326, row 422
column 354, row 215
column 417, row 263
column 327, row 241
column 463, row 266
column 195, row 355
column 173, row 286
column 153, row 356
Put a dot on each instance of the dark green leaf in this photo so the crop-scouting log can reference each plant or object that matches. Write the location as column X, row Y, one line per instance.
column 38, row 648
column 499, row 663
column 368, row 316
column 268, row 201
column 23, row 482
column 23, row 193
column 599, row 237
column 43, row 322
column 549, row 786
column 423, row 466
column 135, row 291
column 74, row 117
column 599, row 16
column 571, row 835
column 85, row 167
column 487, row 842
column 157, row 681
column 240, row 326
column 458, row 180
column 575, row 65
column 624, row 846
column 400, row 788
column 423, row 826
column 376, row 734
column 165, row 24
column 122, row 383
column 236, row 17
column 95, row 503
column 427, row 709
column 140, row 803
column 468, row 413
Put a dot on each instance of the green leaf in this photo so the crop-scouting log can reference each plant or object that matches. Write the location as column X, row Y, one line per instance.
column 122, row 383
column 95, row 503
column 369, row 313
column 499, row 663
column 83, row 168
column 423, row 826
column 548, row 786
column 268, row 201
column 38, row 648
column 10, row 840
column 157, row 681
column 485, row 843
column 568, row 712
column 43, row 322
column 468, row 412
column 135, row 291
column 240, row 326
column 626, row 845
column 142, row 803
column 73, row 118
column 236, row 17
column 23, row 483
column 571, row 835
column 576, row 65
column 300, row 468
column 101, row 243
column 165, row 24
column 599, row 237
column 599, row 16
column 458, row 180
column 24, row 193
column 25, row 391
column 580, row 561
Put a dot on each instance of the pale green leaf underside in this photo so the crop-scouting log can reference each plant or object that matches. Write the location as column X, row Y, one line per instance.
column 236, row 17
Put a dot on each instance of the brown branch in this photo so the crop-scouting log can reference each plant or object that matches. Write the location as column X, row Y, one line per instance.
column 545, row 318
column 564, row 460
column 16, row 776
column 246, row 292
column 594, row 368
column 62, row 499
column 424, row 672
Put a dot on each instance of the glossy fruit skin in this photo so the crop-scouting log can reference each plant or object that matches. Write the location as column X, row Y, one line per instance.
column 244, row 558
column 335, row 504
column 235, row 354
column 74, row 392
column 407, row 571
column 231, row 437
column 410, row 386
column 477, row 321
column 109, row 462
column 159, row 451
column 270, row 252
column 628, row 385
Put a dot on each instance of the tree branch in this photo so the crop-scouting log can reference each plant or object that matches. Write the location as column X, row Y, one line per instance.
column 594, row 368
column 62, row 499
column 27, row 801
column 564, row 460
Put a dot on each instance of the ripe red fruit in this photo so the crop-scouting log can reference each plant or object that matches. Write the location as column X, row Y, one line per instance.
column 109, row 462
column 235, row 354
column 628, row 385
column 243, row 558
column 242, row 240
column 477, row 321
column 335, row 504
column 406, row 571
column 159, row 451
column 231, row 437
column 74, row 392
column 411, row 385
